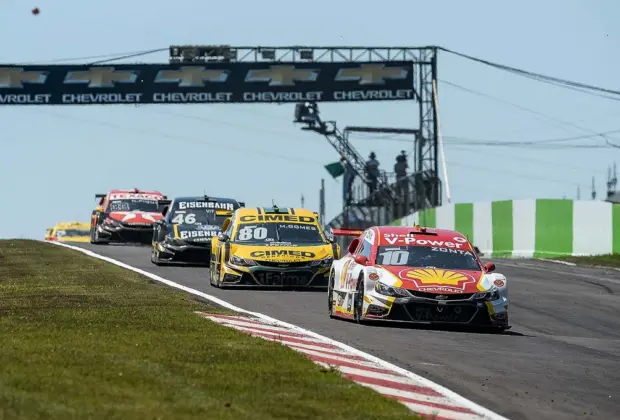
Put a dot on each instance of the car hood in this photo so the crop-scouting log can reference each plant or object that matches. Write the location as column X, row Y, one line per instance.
column 195, row 233
column 139, row 217
column 282, row 253
column 434, row 280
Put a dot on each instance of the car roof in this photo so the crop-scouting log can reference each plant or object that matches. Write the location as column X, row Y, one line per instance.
column 422, row 233
column 72, row 225
column 291, row 211
column 201, row 197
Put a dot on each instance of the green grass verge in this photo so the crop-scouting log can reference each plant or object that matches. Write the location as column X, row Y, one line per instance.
column 610, row 260
column 81, row 338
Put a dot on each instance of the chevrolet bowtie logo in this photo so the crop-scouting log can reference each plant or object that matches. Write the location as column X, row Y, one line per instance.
column 282, row 75
column 15, row 77
column 191, row 76
column 371, row 74
column 102, row 77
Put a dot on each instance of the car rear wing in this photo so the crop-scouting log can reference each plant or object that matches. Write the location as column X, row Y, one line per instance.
column 161, row 203
column 241, row 203
column 347, row 232
column 100, row 195
column 223, row 212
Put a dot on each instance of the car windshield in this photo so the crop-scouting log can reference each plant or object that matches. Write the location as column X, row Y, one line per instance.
column 134, row 204
column 427, row 257
column 64, row 233
column 197, row 217
column 273, row 233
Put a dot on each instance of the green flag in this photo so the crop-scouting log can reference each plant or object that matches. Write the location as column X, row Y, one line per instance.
column 335, row 169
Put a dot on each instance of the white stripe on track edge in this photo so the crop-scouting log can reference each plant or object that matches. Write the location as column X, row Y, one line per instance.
column 488, row 414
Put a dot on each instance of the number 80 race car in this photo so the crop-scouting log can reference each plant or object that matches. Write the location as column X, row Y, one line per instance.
column 416, row 275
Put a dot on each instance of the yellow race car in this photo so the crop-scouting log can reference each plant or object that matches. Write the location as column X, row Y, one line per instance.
column 272, row 247
column 71, row 232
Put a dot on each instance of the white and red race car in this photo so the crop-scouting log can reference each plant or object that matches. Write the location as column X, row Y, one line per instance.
column 125, row 216
column 416, row 275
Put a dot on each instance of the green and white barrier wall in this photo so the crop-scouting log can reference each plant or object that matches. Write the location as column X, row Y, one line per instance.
column 530, row 228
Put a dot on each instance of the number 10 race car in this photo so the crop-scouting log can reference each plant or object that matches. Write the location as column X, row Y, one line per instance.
column 416, row 275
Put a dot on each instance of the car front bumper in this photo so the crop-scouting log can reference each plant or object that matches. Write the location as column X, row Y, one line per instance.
column 126, row 233
column 188, row 253
column 262, row 276
column 467, row 311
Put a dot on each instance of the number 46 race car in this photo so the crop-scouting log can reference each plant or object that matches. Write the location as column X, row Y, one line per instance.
column 416, row 275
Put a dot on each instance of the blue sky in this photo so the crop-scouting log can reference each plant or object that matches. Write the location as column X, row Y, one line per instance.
column 54, row 158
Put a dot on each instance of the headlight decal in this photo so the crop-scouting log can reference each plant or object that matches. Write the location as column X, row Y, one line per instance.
column 386, row 290
column 325, row 262
column 242, row 262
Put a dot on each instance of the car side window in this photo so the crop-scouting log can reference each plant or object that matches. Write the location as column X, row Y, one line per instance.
column 366, row 249
column 230, row 229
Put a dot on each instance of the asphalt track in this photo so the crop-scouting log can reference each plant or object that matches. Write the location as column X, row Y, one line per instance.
column 561, row 359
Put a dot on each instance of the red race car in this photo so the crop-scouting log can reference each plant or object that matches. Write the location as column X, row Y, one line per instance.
column 125, row 216
column 416, row 275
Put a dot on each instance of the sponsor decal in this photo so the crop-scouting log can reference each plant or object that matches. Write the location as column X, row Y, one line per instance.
column 436, row 280
column 370, row 236
column 282, row 75
column 183, row 205
column 192, row 76
column 277, row 218
column 276, row 253
column 373, row 276
column 372, row 74
column 499, row 283
column 137, row 196
column 412, row 240
column 191, row 234
column 214, row 82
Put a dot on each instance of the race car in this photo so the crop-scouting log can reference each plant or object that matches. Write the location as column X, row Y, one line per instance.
column 272, row 248
column 184, row 235
column 48, row 234
column 125, row 216
column 416, row 275
column 71, row 232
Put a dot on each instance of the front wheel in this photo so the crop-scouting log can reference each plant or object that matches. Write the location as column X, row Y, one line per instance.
column 358, row 305
column 330, row 294
column 155, row 257
column 213, row 275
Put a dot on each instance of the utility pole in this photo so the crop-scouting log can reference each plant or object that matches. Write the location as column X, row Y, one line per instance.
column 593, row 189
column 322, row 202
column 612, row 180
column 302, row 201
column 578, row 192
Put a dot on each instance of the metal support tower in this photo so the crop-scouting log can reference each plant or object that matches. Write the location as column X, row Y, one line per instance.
column 424, row 69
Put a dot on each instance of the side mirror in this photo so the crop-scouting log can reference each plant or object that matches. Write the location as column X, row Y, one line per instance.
column 332, row 240
column 489, row 267
column 99, row 208
column 361, row 259
column 223, row 237
column 353, row 245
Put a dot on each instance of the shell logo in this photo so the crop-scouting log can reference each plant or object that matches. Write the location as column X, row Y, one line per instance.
column 425, row 277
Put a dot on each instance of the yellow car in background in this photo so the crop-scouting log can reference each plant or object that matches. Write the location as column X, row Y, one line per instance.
column 71, row 232
column 272, row 247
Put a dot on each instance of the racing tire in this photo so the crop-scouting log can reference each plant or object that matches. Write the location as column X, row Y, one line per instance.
column 358, row 304
column 330, row 293
column 95, row 239
column 155, row 257
column 214, row 276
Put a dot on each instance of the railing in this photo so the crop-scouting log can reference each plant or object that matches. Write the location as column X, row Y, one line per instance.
column 403, row 196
